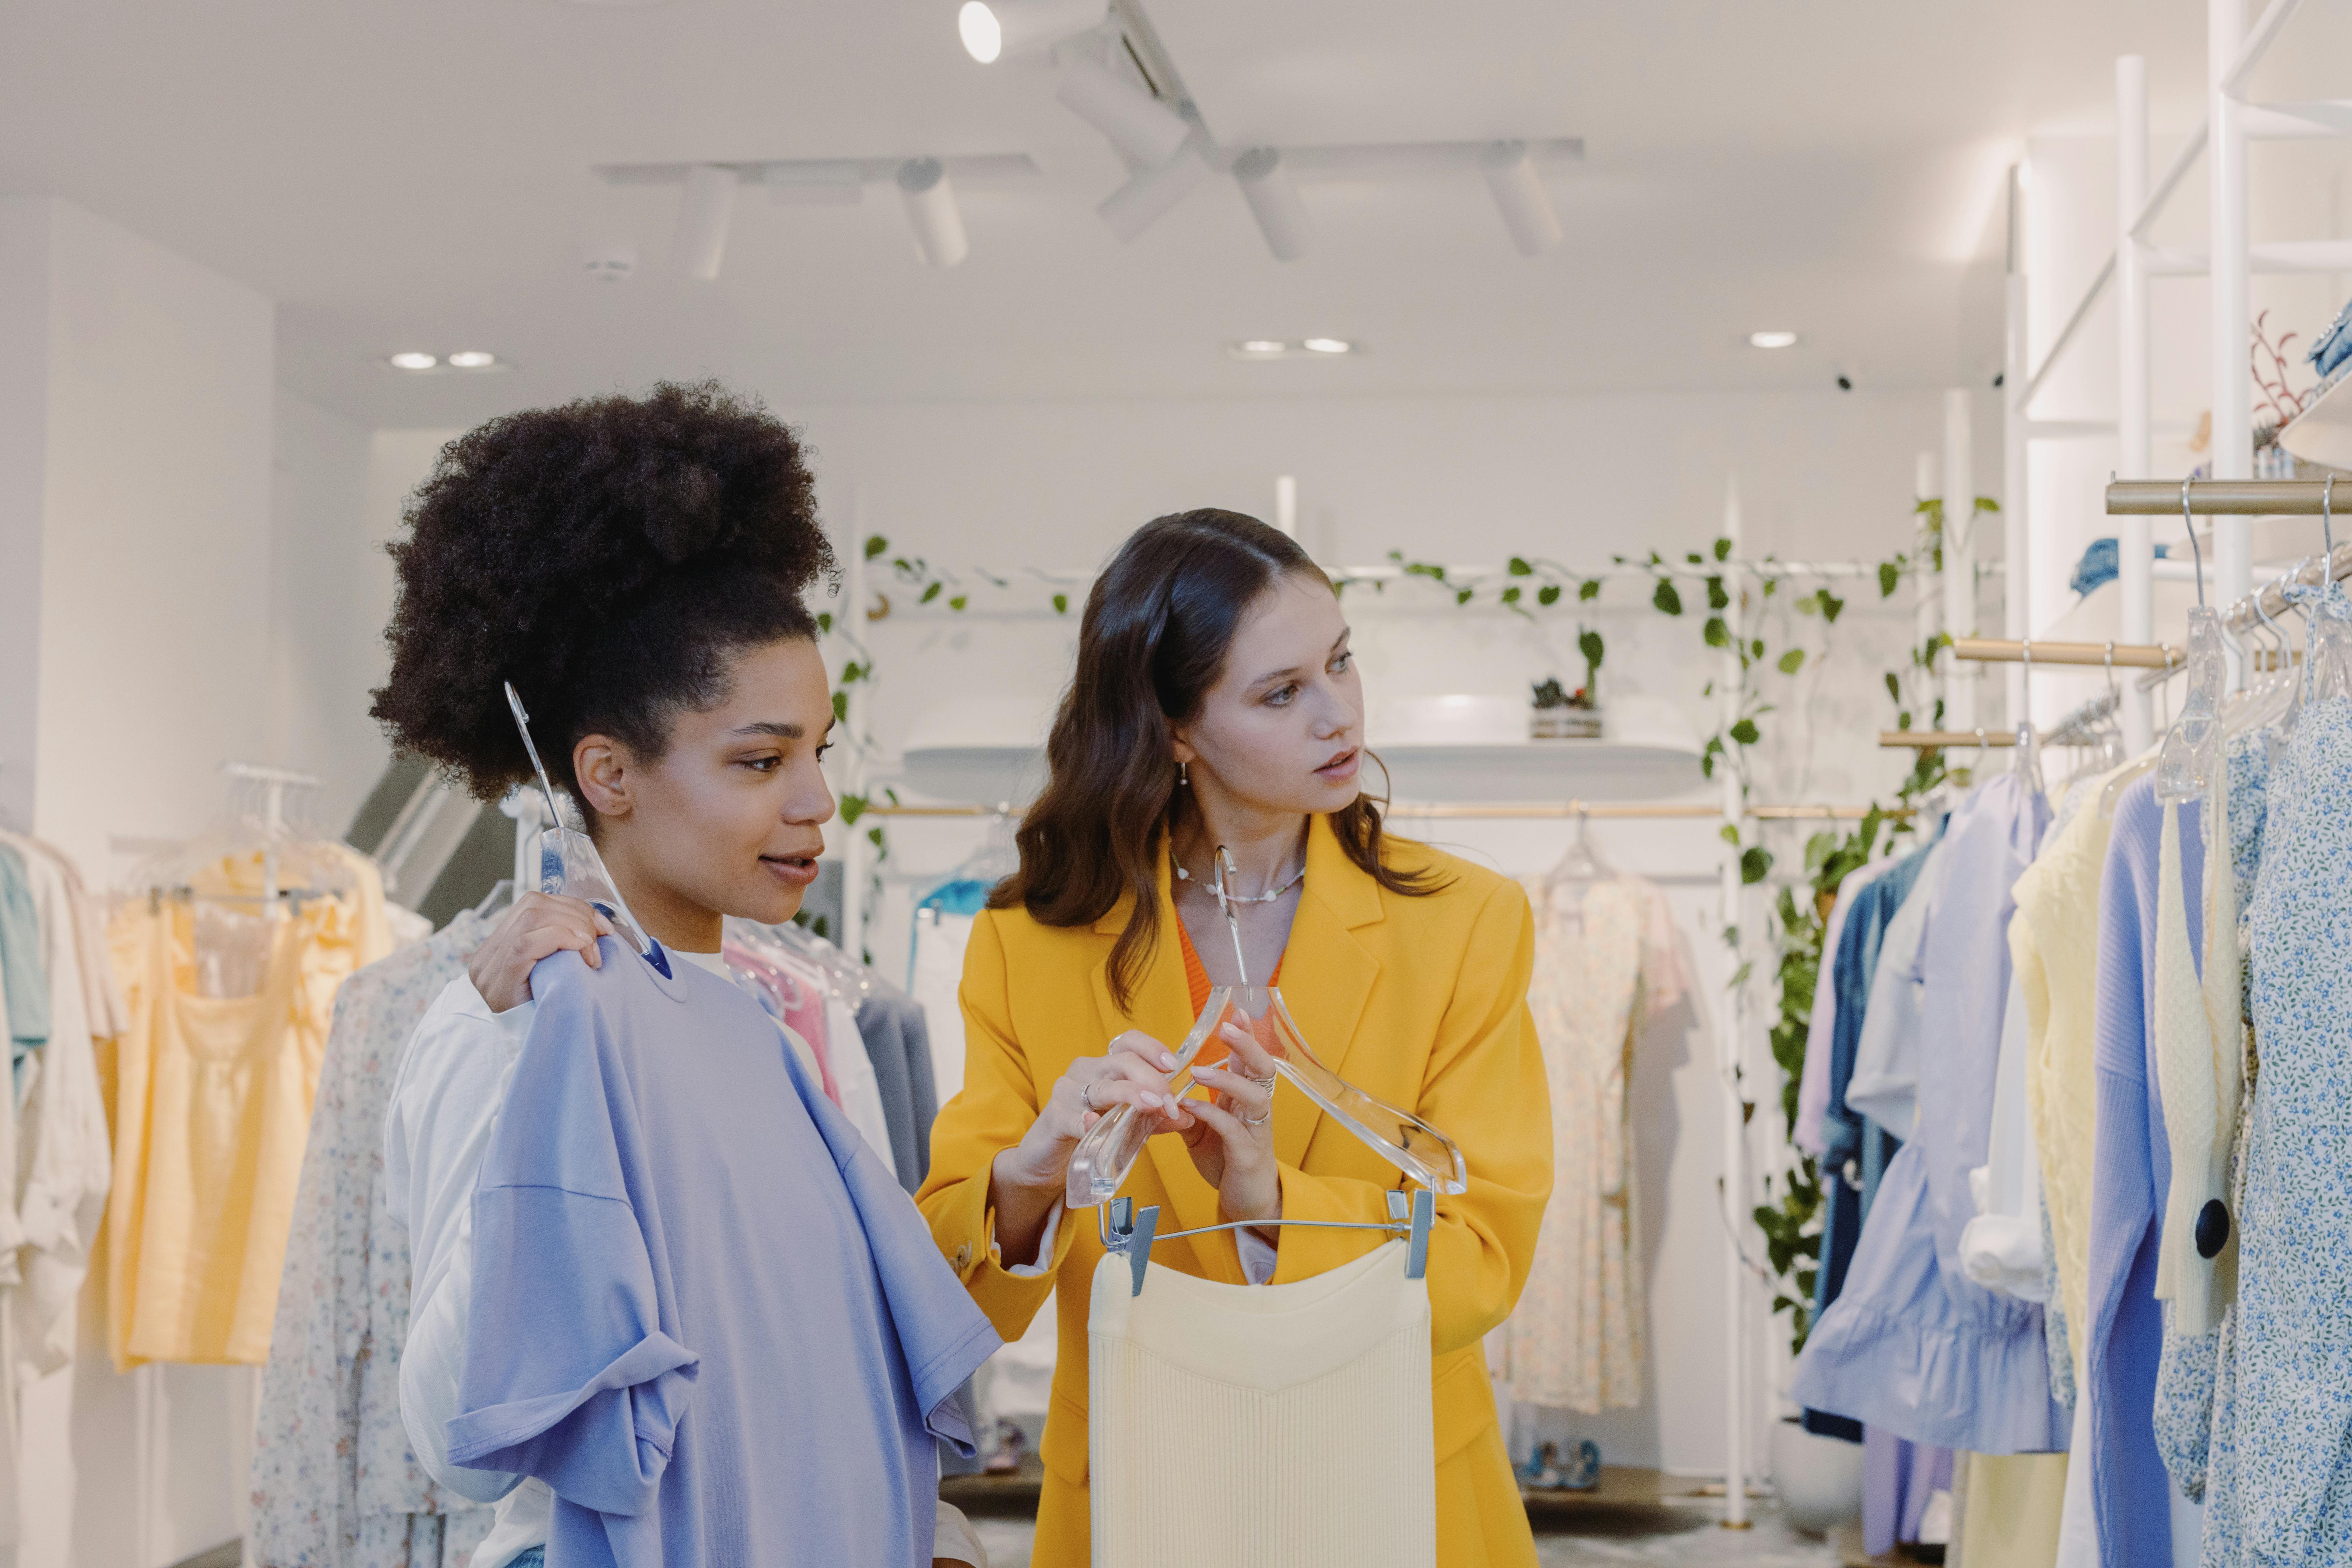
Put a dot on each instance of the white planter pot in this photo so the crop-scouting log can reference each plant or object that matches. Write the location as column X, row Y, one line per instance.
column 1819, row 1479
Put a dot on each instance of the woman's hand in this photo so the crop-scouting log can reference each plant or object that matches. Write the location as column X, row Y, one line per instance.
column 1231, row 1135
column 1029, row 1178
column 538, row 924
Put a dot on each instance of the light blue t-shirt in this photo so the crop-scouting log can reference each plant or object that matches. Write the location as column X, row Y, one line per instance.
column 702, row 1310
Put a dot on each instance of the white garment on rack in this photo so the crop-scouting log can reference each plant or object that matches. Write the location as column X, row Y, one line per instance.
column 936, row 980
column 853, row 1074
column 1232, row 1425
column 1886, row 1082
column 2001, row 1248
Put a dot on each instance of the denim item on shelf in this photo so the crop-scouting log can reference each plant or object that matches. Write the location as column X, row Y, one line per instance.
column 2334, row 346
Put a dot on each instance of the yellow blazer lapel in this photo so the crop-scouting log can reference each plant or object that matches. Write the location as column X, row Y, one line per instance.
column 1163, row 1009
column 1326, row 975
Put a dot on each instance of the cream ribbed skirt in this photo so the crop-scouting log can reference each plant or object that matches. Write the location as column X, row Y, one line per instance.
column 1262, row 1426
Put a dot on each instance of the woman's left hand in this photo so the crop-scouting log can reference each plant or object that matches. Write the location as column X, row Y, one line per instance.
column 1231, row 1138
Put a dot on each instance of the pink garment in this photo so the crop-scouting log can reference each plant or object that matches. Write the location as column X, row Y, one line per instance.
column 1814, row 1088
column 797, row 997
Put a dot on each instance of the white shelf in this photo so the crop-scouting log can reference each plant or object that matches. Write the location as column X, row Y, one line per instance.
column 1541, row 771
column 984, row 775
column 2323, row 432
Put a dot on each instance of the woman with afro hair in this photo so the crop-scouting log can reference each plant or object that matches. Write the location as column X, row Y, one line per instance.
column 666, row 1309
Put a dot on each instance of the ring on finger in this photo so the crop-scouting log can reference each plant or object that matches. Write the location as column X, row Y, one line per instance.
column 1086, row 1095
column 1268, row 1082
column 1259, row 1121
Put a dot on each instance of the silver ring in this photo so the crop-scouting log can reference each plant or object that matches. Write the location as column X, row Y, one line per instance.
column 1086, row 1095
column 1268, row 1081
column 1259, row 1121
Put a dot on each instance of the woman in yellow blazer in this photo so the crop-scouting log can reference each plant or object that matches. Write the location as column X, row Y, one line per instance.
column 1215, row 706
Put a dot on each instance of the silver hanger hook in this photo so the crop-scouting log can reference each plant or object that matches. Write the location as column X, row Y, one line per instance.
column 2113, row 694
column 2327, row 519
column 2196, row 552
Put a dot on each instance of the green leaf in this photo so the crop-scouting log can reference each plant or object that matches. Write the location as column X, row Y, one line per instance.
column 852, row 807
column 1830, row 606
column 1548, row 594
column 1463, row 595
column 1588, row 643
column 874, row 836
column 1061, row 604
column 1745, row 732
column 1695, row 558
column 931, row 593
column 1728, row 834
column 1588, row 589
column 1792, row 661
column 840, row 706
column 1755, row 865
column 852, row 671
column 1986, row 503
column 875, row 545
column 1889, row 576
column 1717, row 598
column 960, row 601
column 1717, row 633
column 1722, row 549
column 1667, row 599
column 1519, row 567
column 1808, row 604
column 1894, row 687
column 824, row 621
column 1756, row 649
column 1511, row 595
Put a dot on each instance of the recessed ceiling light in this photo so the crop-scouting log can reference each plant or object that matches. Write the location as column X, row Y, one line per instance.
column 1771, row 340
column 983, row 36
column 472, row 359
column 1261, row 346
column 1327, row 346
column 413, row 361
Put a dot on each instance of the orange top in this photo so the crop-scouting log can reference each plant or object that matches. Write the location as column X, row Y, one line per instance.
column 1196, row 974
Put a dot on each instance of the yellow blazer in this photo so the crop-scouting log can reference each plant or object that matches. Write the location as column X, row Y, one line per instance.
column 1420, row 1001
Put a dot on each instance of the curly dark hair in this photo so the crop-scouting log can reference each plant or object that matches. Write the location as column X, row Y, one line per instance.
column 610, row 557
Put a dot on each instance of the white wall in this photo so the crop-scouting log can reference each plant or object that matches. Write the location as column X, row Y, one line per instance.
column 325, row 577
column 135, row 405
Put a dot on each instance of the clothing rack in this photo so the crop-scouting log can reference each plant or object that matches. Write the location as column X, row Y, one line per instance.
column 2030, row 651
column 1533, row 811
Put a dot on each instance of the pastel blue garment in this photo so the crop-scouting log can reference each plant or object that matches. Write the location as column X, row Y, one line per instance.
column 2131, row 1172
column 1914, row 1346
column 702, row 1312
column 2188, row 1367
column 2282, row 1439
column 24, row 976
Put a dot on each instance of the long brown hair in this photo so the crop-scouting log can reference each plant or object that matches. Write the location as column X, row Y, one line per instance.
column 1157, row 627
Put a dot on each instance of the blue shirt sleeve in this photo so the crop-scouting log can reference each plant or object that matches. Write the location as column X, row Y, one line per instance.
column 570, row 1374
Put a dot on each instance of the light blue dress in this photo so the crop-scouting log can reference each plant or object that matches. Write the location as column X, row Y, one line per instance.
column 2280, row 1475
column 703, row 1312
column 1914, row 1346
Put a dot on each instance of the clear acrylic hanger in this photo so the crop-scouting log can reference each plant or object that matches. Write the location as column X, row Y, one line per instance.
column 1580, row 864
column 2184, row 767
column 2027, row 764
column 1100, row 1165
column 569, row 864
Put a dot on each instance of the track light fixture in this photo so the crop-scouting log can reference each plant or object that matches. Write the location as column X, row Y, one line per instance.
column 1519, row 195
column 1145, row 199
column 1274, row 201
column 993, row 28
column 932, row 211
column 1145, row 130
column 703, row 213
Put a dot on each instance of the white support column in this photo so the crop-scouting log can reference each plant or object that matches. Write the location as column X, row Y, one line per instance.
column 1926, row 603
column 2135, row 554
column 1960, row 557
column 2233, row 307
column 2017, row 559
column 1727, row 1048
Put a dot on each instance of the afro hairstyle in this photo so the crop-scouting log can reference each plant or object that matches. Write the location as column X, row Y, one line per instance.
column 611, row 558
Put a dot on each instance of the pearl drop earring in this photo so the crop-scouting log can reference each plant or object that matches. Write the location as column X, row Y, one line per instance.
column 1183, row 776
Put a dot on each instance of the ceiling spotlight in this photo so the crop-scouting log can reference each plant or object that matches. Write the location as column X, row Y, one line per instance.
column 1141, row 127
column 1327, row 346
column 1261, row 348
column 1771, row 340
column 991, row 28
column 1274, row 201
column 1143, row 200
column 931, row 211
column 1519, row 195
column 700, row 242
column 472, row 359
column 413, row 361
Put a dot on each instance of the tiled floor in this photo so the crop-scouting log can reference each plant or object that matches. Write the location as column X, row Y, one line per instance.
column 1634, row 1536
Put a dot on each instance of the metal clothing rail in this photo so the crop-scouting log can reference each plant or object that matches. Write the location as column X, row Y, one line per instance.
column 2221, row 498
column 1942, row 739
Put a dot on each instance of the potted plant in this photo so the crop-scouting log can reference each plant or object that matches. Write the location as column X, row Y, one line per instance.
column 1564, row 715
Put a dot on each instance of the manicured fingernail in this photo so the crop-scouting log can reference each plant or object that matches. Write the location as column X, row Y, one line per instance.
column 1150, row 1100
column 1168, row 1062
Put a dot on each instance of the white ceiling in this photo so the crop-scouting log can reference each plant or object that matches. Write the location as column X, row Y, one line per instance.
column 416, row 174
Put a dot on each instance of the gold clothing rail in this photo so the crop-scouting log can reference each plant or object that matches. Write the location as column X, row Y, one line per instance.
column 2033, row 650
